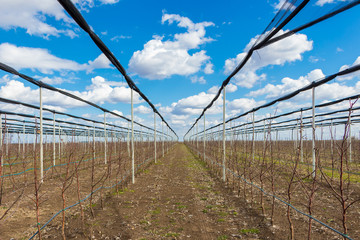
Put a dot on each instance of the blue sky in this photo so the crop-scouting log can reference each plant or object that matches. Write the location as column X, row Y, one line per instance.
column 177, row 52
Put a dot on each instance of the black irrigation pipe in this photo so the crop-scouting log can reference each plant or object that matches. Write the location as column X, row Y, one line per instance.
column 297, row 111
column 260, row 129
column 293, row 94
column 247, row 57
column 8, row 69
column 29, row 129
column 309, row 108
column 295, row 119
column 309, row 24
column 5, row 100
column 270, row 41
column 79, row 19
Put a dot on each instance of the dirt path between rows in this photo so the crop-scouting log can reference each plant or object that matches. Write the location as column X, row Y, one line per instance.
column 173, row 199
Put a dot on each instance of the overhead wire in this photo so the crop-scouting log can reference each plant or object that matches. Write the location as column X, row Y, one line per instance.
column 80, row 20
column 270, row 39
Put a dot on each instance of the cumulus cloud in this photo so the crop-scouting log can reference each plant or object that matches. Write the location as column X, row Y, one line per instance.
column 31, row 16
column 281, row 3
column 42, row 60
column 240, row 105
column 53, row 80
column 109, row 1
column 285, row 51
column 352, row 75
column 142, row 110
column 323, row 2
column 332, row 90
column 287, row 85
column 117, row 38
column 209, row 68
column 163, row 58
column 196, row 79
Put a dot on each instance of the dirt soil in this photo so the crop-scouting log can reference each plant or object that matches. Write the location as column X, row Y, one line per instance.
column 175, row 198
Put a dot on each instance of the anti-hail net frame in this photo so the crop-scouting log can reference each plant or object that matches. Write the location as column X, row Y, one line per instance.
column 298, row 144
column 71, row 159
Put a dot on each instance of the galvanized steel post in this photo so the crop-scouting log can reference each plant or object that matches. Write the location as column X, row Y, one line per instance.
column 132, row 139
column 41, row 139
column 155, row 136
column 1, row 142
column 204, row 140
column 105, row 139
column 349, row 137
column 313, row 134
column 53, row 139
column 224, row 144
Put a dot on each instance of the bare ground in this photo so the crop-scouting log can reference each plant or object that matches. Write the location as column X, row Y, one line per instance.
column 173, row 199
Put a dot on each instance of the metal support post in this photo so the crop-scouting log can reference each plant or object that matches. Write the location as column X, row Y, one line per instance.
column 1, row 143
column 301, row 139
column 163, row 136
column 197, row 136
column 54, row 140
column 41, row 139
column 204, row 140
column 349, row 138
column 223, row 136
column 313, row 134
column 155, row 137
column 94, row 154
column 105, row 139
column 132, row 139
column 253, row 137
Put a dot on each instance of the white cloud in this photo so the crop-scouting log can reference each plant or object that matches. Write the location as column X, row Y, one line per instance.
column 109, row 1
column 328, row 91
column 53, row 80
column 323, row 2
column 287, row 5
column 209, row 68
column 42, row 60
column 196, row 79
column 339, row 49
column 142, row 110
column 117, row 112
column 31, row 16
column 195, row 104
column 240, row 105
column 230, row 88
column 287, row 50
column 213, row 90
column 117, row 38
column 161, row 59
column 287, row 85
column 351, row 75
column 313, row 59
column 100, row 62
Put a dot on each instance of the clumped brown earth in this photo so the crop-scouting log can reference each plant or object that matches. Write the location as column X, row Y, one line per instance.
column 175, row 198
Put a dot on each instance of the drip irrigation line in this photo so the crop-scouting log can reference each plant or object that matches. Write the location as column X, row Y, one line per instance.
column 278, row 198
column 79, row 19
